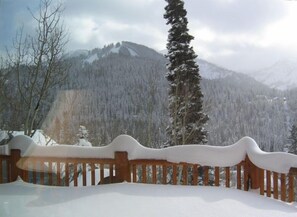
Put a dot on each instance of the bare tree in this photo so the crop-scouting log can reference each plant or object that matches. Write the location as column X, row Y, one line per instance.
column 2, row 83
column 37, row 61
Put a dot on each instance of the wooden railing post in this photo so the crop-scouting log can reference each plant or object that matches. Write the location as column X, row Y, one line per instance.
column 253, row 174
column 15, row 156
column 292, row 173
column 122, row 167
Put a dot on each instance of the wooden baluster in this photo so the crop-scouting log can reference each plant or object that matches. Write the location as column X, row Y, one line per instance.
column 195, row 174
column 34, row 167
column 185, row 174
column 143, row 170
column 75, row 175
column 227, row 175
column 206, row 177
column 154, row 174
column 8, row 170
column 50, row 173
column 41, row 172
column 174, row 174
column 245, row 176
column 291, row 188
column 238, row 174
column 111, row 175
column 58, row 174
column 217, row 176
column 67, row 174
column 275, row 185
column 261, row 179
column 1, row 172
column 283, row 187
column 164, row 174
column 101, row 173
column 84, row 174
column 134, row 171
column 268, row 183
column 15, row 156
column 25, row 171
column 93, row 174
column 164, row 169
column 26, row 175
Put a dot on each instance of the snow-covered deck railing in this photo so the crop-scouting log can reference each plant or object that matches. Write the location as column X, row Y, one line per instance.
column 242, row 165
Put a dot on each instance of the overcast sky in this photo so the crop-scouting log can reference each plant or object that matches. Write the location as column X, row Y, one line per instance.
column 242, row 35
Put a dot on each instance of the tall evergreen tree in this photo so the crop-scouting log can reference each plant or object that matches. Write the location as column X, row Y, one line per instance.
column 293, row 138
column 187, row 120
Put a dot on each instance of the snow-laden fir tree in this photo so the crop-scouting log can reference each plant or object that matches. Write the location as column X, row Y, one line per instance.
column 292, row 148
column 187, row 120
column 83, row 135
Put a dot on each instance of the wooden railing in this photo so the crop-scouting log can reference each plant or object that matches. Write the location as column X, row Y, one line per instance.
column 126, row 160
column 5, row 169
column 60, row 171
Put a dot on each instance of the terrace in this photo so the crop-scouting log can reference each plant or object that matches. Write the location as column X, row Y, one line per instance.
column 212, row 178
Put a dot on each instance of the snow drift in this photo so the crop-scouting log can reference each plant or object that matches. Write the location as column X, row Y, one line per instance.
column 134, row 200
column 204, row 155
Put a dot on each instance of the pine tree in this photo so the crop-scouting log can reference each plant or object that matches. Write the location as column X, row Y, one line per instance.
column 83, row 132
column 83, row 135
column 293, row 138
column 187, row 120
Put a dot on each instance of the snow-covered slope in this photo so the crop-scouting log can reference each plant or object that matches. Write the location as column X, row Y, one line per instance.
column 282, row 75
column 121, row 48
column 77, row 53
column 130, row 49
column 211, row 71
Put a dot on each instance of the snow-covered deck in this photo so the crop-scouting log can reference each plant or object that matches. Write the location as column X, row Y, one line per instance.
column 135, row 163
column 134, row 200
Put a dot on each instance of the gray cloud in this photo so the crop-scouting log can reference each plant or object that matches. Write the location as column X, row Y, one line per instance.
column 235, row 15
column 95, row 23
column 245, row 57
column 132, row 12
column 139, row 21
column 13, row 15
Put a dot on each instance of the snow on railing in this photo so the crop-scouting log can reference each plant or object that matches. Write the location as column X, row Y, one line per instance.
column 126, row 159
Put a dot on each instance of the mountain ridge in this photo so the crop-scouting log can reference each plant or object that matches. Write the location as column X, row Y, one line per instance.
column 282, row 75
column 207, row 70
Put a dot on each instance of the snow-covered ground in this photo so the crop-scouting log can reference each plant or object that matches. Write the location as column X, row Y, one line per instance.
column 134, row 200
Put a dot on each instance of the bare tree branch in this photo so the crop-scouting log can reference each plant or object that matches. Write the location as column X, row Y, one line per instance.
column 38, row 63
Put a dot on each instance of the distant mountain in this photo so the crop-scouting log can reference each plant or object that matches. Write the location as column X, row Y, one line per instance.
column 211, row 71
column 129, row 49
column 121, row 48
column 282, row 75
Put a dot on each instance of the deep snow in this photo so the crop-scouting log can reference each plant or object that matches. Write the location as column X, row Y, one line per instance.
column 204, row 155
column 134, row 200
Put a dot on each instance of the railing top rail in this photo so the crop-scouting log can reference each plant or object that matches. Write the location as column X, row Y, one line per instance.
column 203, row 155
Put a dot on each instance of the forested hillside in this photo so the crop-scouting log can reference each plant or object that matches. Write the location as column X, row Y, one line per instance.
column 122, row 89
